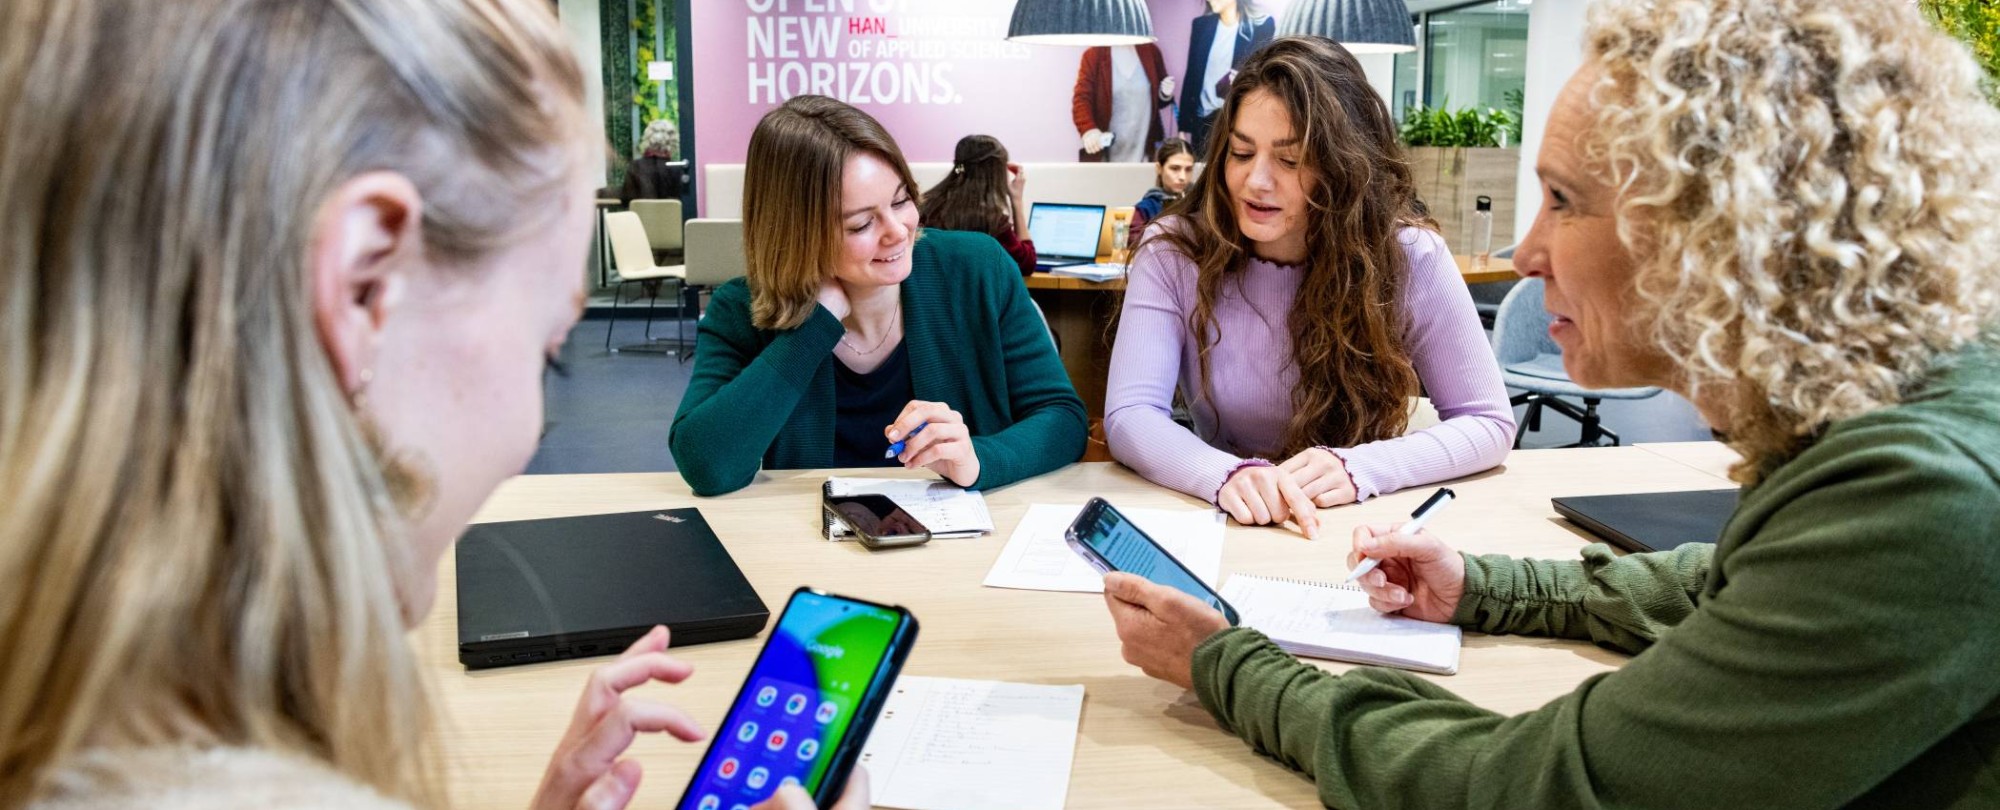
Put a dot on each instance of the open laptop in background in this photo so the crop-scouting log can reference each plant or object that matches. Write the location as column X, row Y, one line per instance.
column 1064, row 234
column 1658, row 521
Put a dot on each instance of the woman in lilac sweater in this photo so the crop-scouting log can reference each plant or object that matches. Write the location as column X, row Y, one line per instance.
column 1298, row 305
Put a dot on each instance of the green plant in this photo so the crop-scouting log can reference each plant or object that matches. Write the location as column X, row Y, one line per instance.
column 645, row 91
column 1977, row 24
column 1468, row 127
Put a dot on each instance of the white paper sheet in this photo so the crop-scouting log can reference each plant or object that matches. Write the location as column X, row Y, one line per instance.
column 950, row 744
column 1036, row 558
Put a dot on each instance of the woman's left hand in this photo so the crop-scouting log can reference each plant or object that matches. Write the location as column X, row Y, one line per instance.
column 1159, row 626
column 1017, row 179
column 944, row 447
column 1322, row 475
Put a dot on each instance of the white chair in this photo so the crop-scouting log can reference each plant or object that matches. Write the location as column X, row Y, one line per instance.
column 662, row 219
column 634, row 254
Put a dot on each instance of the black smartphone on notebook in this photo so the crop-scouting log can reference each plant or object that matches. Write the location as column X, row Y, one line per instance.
column 1110, row 541
column 877, row 520
column 806, row 708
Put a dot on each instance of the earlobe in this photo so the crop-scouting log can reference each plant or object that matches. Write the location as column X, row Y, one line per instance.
column 365, row 240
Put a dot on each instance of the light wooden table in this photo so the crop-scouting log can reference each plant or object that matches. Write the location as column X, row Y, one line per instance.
column 1713, row 458
column 1142, row 742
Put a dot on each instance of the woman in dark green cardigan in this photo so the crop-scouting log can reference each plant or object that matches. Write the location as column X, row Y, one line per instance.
column 1788, row 211
column 854, row 329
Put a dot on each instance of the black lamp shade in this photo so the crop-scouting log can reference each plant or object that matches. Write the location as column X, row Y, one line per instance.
column 1082, row 22
column 1362, row 26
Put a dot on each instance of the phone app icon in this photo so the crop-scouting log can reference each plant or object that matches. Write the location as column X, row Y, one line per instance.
column 767, row 696
column 739, row 807
column 746, row 732
column 826, row 711
column 807, row 748
column 757, row 778
column 728, row 768
column 777, row 740
column 789, row 780
column 795, row 704
column 710, row 802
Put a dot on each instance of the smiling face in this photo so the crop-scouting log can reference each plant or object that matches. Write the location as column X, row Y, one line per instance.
column 1574, row 248
column 1266, row 185
column 878, row 221
column 1176, row 173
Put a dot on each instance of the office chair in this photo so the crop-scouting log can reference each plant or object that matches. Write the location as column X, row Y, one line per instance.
column 1486, row 297
column 634, row 254
column 1532, row 361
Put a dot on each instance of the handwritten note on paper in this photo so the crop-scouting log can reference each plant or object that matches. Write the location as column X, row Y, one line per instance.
column 1036, row 558
column 950, row 744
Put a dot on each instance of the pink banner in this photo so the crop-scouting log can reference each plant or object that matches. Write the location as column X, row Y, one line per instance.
column 932, row 71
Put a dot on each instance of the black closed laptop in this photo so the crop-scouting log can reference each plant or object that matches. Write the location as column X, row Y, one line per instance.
column 540, row 590
column 1656, row 521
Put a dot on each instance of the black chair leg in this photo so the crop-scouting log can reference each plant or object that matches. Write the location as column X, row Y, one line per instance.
column 617, row 292
column 653, row 297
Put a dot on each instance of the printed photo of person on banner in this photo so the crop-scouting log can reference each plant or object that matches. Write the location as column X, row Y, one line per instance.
column 1117, row 100
column 1218, row 44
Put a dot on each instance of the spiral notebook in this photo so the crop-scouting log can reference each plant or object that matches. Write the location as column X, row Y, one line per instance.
column 1334, row 622
column 946, row 509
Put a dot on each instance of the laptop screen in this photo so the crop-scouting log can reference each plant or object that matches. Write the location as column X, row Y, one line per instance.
column 1066, row 230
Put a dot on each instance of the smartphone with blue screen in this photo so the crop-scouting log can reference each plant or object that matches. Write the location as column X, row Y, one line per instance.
column 806, row 708
column 1110, row 541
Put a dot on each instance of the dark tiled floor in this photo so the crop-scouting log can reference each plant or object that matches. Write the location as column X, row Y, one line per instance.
column 613, row 411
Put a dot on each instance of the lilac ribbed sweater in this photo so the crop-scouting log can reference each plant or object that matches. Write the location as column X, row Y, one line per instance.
column 1253, row 375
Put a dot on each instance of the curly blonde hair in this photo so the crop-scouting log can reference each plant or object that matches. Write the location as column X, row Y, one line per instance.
column 1810, row 187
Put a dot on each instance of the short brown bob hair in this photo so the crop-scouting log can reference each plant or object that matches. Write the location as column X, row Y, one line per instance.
column 791, row 201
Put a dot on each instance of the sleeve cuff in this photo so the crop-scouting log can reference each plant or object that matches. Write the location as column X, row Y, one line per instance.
column 1216, row 498
column 1207, row 675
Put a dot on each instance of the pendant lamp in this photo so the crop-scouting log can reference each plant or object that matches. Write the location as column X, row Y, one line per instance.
column 1362, row 26
column 1082, row 22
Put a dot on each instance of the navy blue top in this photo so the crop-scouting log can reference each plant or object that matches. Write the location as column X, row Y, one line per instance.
column 864, row 404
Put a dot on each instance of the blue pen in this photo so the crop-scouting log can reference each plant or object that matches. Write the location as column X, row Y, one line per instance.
column 897, row 448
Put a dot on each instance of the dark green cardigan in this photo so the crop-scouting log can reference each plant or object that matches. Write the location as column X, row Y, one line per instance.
column 1839, row 647
column 976, row 343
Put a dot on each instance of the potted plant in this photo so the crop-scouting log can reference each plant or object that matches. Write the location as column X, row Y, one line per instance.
column 1457, row 156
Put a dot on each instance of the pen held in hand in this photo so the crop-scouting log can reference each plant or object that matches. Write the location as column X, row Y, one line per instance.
column 897, row 448
column 1417, row 520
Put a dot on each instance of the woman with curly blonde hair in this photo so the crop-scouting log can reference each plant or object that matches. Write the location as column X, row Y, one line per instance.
column 1788, row 210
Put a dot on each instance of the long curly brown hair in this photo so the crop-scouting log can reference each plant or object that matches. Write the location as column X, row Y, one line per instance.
column 1355, row 374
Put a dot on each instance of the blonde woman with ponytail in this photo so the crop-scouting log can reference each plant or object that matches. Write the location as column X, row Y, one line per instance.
column 266, row 342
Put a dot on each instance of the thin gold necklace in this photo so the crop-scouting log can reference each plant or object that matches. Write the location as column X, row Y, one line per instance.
column 878, row 344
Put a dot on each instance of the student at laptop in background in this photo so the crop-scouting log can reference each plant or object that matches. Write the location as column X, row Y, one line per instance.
column 1310, row 346
column 1788, row 211
column 851, row 329
column 232, row 459
column 983, row 194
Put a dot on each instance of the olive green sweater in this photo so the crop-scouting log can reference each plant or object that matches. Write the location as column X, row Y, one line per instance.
column 1838, row 647
column 765, row 398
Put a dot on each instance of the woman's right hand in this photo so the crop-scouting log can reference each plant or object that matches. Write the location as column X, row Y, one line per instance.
column 1257, row 496
column 1017, row 179
column 834, row 298
column 587, row 770
column 1419, row 576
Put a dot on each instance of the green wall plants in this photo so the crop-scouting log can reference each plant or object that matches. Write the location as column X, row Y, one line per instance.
column 1977, row 24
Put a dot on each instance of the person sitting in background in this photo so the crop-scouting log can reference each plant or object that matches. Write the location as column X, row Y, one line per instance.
column 983, row 194
column 852, row 329
column 654, row 176
column 232, row 456
column 1173, row 170
column 1788, row 211
column 1297, row 302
